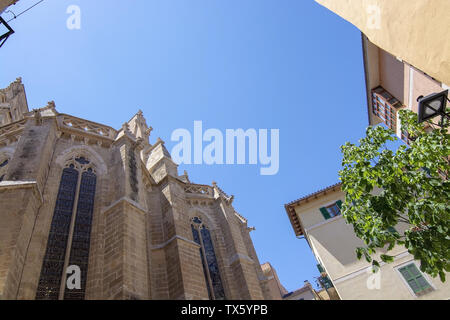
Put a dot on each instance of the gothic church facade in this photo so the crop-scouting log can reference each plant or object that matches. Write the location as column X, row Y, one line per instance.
column 79, row 196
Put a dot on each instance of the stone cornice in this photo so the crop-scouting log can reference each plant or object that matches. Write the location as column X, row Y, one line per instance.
column 10, row 185
column 240, row 256
column 162, row 245
column 7, row 128
column 84, row 128
column 87, row 121
column 127, row 201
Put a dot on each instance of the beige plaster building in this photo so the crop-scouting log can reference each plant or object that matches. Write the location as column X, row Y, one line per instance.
column 279, row 292
column 415, row 31
column 306, row 292
column 392, row 85
column 405, row 56
column 405, row 52
column 318, row 218
column 91, row 212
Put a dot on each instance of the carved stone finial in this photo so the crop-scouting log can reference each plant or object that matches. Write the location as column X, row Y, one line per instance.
column 51, row 104
column 126, row 127
column 149, row 131
column 139, row 144
column 19, row 80
column 214, row 184
column 186, row 176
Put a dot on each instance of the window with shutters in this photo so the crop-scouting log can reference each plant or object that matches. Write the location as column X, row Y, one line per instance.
column 415, row 279
column 332, row 210
column 385, row 107
column 202, row 236
column 71, row 222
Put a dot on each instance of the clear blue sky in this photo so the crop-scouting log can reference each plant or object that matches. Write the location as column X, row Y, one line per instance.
column 287, row 64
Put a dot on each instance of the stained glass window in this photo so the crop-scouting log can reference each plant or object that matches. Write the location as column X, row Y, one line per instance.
column 55, row 259
column 82, row 160
column 53, row 265
column 213, row 267
column 79, row 253
column 205, row 271
column 197, row 220
column 209, row 260
column 4, row 163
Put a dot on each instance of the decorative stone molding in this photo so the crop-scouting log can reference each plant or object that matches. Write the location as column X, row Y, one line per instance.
column 8, row 185
column 162, row 245
column 11, row 133
column 240, row 217
column 239, row 256
column 127, row 201
column 229, row 200
column 85, row 128
column 196, row 202
column 83, row 151
column 13, row 128
column 209, row 221
column 199, row 189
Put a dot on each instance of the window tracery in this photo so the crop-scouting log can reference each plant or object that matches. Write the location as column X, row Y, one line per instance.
column 75, row 197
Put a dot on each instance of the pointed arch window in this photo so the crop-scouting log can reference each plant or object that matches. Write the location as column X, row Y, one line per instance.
column 202, row 236
column 72, row 222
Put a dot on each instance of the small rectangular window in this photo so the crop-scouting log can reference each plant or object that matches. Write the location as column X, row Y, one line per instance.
column 415, row 279
column 332, row 210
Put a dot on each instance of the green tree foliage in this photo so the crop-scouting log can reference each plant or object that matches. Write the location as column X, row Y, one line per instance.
column 405, row 190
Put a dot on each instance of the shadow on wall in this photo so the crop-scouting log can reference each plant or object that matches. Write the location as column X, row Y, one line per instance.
column 339, row 240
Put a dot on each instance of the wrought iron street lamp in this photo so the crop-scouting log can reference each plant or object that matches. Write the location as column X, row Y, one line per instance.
column 432, row 106
column 6, row 35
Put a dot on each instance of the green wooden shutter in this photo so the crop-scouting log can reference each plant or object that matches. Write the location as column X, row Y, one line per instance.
column 339, row 204
column 325, row 213
column 320, row 268
column 414, row 278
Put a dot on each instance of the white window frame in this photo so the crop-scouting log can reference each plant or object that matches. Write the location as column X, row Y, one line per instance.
column 331, row 205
